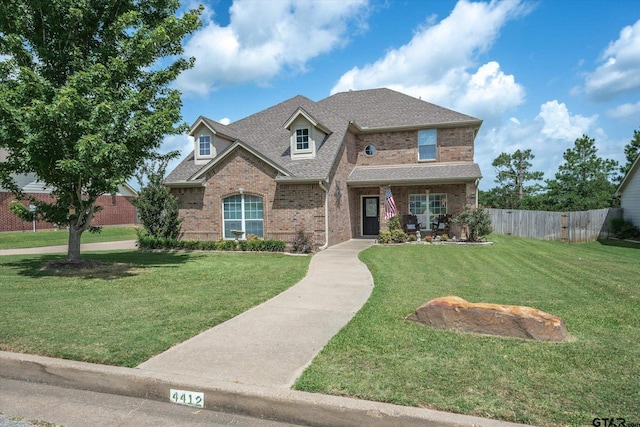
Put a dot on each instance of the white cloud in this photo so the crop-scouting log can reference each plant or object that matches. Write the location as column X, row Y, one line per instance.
column 435, row 64
column 626, row 112
column 620, row 68
column 559, row 124
column 264, row 39
column 225, row 121
column 548, row 135
column 181, row 143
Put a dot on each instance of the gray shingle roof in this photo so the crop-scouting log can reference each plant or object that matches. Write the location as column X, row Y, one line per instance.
column 385, row 108
column 405, row 174
column 369, row 109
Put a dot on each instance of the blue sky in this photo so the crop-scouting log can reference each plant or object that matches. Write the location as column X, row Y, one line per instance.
column 538, row 73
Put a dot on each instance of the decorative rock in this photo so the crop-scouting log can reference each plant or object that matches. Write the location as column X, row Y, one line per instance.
column 505, row 320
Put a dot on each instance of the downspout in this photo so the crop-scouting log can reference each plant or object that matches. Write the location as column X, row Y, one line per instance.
column 326, row 216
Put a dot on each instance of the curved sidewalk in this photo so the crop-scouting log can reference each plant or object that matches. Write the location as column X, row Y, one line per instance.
column 271, row 344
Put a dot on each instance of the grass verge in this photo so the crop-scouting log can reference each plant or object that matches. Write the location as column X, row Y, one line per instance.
column 381, row 356
column 141, row 305
column 29, row 239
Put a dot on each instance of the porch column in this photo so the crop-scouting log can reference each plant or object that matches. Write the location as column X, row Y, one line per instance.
column 384, row 224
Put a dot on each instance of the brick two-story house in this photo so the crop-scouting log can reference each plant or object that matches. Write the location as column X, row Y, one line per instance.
column 324, row 167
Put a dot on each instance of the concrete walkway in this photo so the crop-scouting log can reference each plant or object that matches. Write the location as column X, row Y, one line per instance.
column 245, row 365
column 271, row 344
column 102, row 246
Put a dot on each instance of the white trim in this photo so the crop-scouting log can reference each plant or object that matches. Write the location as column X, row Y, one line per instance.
column 243, row 218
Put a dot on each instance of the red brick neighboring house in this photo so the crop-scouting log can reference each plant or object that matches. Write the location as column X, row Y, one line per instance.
column 116, row 209
column 324, row 167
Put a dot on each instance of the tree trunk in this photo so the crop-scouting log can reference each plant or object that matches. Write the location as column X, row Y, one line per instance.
column 73, row 252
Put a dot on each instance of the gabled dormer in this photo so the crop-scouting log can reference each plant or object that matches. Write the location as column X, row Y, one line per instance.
column 306, row 134
column 208, row 140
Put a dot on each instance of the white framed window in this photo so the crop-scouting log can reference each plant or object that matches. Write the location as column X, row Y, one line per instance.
column 427, row 144
column 243, row 212
column 302, row 139
column 427, row 208
column 204, row 145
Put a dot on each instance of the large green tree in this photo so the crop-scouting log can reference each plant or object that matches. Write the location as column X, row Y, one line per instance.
column 513, row 174
column 631, row 152
column 85, row 96
column 585, row 181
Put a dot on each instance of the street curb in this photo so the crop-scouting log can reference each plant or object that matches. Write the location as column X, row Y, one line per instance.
column 261, row 402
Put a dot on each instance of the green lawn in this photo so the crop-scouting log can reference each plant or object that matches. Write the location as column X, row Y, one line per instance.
column 595, row 287
column 145, row 303
column 29, row 239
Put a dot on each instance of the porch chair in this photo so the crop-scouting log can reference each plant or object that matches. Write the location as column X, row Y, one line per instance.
column 441, row 225
column 410, row 224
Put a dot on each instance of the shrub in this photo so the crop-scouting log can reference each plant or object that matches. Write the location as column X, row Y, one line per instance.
column 226, row 245
column 476, row 221
column 302, row 242
column 412, row 238
column 624, row 229
column 398, row 236
column 444, row 237
column 384, row 237
column 394, row 223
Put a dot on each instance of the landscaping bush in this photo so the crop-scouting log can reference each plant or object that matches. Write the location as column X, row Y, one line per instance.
column 147, row 242
column 624, row 229
column 394, row 223
column 476, row 221
column 384, row 237
column 303, row 242
column 398, row 236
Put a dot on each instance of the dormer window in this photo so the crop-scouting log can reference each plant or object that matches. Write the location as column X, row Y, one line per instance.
column 302, row 139
column 204, row 145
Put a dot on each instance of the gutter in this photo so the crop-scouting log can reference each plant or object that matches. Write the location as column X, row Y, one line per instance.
column 326, row 215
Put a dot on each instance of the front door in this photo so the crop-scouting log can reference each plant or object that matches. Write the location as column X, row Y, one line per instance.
column 370, row 216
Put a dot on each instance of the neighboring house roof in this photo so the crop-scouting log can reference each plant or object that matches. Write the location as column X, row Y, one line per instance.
column 407, row 174
column 635, row 166
column 29, row 184
column 266, row 131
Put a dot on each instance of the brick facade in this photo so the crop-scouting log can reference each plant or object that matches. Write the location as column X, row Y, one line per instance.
column 292, row 207
column 396, row 148
column 287, row 207
column 116, row 210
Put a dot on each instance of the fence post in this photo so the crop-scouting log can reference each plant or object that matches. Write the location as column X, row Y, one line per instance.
column 563, row 225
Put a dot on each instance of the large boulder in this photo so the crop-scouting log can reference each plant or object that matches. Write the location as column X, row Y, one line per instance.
column 505, row 320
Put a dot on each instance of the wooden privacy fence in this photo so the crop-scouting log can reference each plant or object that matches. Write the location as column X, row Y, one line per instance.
column 583, row 226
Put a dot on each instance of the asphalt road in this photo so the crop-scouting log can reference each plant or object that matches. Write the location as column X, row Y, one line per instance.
column 24, row 404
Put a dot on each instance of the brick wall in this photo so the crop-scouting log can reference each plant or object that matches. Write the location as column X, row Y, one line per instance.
column 394, row 148
column 341, row 210
column 116, row 210
column 287, row 207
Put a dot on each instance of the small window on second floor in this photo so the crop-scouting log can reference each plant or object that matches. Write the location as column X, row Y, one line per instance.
column 427, row 144
column 302, row 139
column 204, row 146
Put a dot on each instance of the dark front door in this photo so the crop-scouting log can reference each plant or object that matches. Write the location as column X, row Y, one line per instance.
column 370, row 216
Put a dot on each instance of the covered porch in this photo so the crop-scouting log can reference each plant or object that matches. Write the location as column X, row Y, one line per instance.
column 425, row 191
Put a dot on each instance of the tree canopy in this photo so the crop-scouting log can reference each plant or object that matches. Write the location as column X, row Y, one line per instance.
column 513, row 171
column 631, row 152
column 85, row 96
column 584, row 181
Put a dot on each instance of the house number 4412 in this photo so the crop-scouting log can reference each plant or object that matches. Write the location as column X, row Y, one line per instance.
column 188, row 398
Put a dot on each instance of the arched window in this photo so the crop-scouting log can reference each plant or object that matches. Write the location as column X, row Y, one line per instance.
column 243, row 212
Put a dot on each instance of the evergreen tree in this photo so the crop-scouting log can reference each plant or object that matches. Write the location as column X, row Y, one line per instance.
column 584, row 181
column 513, row 172
column 157, row 207
column 85, row 96
column 631, row 152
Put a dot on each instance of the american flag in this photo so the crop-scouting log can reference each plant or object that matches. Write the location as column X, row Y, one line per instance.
column 390, row 209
